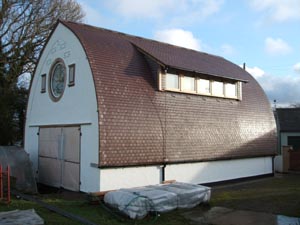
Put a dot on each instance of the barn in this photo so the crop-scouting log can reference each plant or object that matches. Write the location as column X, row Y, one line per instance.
column 108, row 110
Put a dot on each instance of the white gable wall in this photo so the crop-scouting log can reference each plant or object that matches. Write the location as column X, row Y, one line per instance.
column 78, row 104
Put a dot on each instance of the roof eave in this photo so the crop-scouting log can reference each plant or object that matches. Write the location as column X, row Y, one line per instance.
column 164, row 65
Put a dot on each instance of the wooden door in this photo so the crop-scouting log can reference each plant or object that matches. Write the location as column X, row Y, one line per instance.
column 71, row 159
column 59, row 157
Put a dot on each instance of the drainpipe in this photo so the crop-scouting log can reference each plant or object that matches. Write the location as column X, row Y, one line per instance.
column 163, row 167
column 273, row 165
column 244, row 66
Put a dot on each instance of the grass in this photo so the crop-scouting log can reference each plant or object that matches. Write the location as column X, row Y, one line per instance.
column 277, row 195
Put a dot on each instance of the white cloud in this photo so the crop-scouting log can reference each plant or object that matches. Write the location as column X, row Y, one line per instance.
column 282, row 88
column 285, row 89
column 296, row 67
column 141, row 9
column 171, row 10
column 178, row 37
column 276, row 46
column 227, row 50
column 255, row 71
column 193, row 11
column 278, row 10
column 92, row 15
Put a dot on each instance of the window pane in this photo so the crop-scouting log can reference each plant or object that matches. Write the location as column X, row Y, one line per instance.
column 188, row 84
column 217, row 88
column 230, row 90
column 172, row 81
column 43, row 83
column 203, row 86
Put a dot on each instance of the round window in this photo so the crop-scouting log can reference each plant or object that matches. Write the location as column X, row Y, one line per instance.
column 57, row 79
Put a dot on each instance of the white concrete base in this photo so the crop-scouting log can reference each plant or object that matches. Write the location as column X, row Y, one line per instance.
column 278, row 162
column 197, row 173
column 207, row 172
column 116, row 178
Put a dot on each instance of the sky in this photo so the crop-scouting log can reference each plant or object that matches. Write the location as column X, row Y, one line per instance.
column 264, row 34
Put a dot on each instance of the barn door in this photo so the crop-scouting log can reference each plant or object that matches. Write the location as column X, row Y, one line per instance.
column 59, row 157
column 49, row 156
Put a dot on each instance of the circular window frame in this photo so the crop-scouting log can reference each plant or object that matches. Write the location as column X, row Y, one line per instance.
column 52, row 69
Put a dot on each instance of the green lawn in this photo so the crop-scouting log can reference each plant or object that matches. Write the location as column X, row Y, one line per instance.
column 94, row 213
column 277, row 195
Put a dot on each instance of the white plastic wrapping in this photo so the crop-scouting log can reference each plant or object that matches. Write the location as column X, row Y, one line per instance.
column 189, row 195
column 132, row 205
column 159, row 200
column 137, row 202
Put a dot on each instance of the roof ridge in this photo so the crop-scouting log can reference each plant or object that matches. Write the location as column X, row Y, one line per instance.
column 139, row 37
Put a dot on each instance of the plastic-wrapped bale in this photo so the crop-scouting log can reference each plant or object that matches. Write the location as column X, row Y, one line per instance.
column 189, row 195
column 159, row 200
column 130, row 204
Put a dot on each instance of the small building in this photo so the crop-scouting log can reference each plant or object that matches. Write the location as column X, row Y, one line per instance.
column 108, row 110
column 288, row 129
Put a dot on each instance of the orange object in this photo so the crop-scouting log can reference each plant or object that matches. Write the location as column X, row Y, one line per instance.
column 8, row 184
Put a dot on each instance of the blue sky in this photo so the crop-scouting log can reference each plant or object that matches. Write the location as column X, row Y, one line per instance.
column 265, row 34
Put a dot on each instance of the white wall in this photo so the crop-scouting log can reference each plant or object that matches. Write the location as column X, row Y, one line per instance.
column 78, row 104
column 197, row 173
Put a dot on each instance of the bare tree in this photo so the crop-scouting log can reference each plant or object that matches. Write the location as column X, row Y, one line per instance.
column 24, row 28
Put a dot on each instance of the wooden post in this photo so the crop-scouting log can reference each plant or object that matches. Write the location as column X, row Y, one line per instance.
column 286, row 158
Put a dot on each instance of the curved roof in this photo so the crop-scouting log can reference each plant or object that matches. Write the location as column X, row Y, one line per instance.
column 140, row 125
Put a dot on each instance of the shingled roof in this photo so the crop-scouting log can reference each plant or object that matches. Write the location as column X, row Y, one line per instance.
column 140, row 125
column 288, row 119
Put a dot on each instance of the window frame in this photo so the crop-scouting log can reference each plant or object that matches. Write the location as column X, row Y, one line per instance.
column 43, row 83
column 182, row 77
column 235, row 87
column 51, row 73
column 212, row 88
column 209, row 86
column 71, row 82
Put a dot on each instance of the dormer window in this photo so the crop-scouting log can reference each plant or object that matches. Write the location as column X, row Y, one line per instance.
column 188, row 84
column 172, row 81
column 217, row 88
column 201, row 85
column 231, row 90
